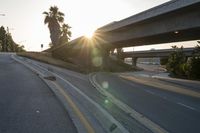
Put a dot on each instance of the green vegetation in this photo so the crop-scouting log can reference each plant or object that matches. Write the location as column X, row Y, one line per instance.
column 180, row 66
column 194, row 64
column 65, row 34
column 176, row 62
column 163, row 61
column 6, row 42
column 54, row 18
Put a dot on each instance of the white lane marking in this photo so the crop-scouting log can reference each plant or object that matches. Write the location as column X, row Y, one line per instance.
column 186, row 106
column 134, row 114
column 158, row 95
column 154, row 93
column 170, row 100
column 37, row 111
column 150, row 92
column 167, row 99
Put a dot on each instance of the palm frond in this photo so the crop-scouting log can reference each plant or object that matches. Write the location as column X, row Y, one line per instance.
column 69, row 33
column 60, row 19
column 61, row 14
column 54, row 10
column 46, row 13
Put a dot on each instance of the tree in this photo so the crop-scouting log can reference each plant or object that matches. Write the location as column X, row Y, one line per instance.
column 177, row 62
column 6, row 42
column 65, row 34
column 3, row 38
column 194, row 64
column 178, row 65
column 53, row 18
column 0, row 45
column 10, row 43
column 163, row 60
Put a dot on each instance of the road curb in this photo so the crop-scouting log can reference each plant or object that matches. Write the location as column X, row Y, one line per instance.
column 134, row 114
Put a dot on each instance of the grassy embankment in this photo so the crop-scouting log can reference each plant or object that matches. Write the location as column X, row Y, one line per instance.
column 111, row 66
column 47, row 58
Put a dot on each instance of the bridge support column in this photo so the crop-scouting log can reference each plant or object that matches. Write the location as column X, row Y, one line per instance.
column 134, row 61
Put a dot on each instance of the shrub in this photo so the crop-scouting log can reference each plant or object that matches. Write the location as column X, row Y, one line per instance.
column 194, row 64
column 176, row 62
column 163, row 61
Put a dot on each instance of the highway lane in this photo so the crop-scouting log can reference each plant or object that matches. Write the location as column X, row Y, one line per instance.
column 175, row 90
column 193, row 85
column 27, row 105
column 170, row 110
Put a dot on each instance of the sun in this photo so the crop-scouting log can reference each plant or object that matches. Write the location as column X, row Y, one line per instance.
column 89, row 34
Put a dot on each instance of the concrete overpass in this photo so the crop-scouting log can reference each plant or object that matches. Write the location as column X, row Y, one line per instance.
column 154, row 53
column 176, row 20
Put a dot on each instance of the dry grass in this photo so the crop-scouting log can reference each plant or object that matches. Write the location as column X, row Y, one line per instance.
column 47, row 58
column 110, row 66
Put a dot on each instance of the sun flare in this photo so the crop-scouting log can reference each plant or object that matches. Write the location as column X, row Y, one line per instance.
column 89, row 34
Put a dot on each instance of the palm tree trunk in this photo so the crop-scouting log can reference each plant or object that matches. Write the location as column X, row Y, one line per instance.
column 55, row 34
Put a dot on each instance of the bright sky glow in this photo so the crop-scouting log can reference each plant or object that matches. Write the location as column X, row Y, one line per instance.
column 26, row 21
column 89, row 34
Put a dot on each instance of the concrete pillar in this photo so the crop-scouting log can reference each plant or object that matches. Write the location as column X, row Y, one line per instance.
column 134, row 61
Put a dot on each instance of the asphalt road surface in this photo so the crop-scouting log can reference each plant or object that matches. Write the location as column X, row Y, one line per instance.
column 27, row 105
column 177, row 112
column 81, row 81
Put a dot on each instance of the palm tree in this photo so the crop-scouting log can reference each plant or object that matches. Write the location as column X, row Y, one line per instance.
column 3, row 38
column 65, row 33
column 53, row 18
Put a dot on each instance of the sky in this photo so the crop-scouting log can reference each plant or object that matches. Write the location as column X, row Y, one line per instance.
column 26, row 21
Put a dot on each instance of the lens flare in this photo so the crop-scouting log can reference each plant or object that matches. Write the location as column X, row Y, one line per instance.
column 89, row 34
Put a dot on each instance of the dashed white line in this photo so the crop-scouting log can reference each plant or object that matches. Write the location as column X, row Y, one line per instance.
column 150, row 92
column 186, row 106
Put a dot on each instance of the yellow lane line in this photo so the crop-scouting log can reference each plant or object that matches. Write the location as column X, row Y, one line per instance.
column 163, row 86
column 75, row 108
column 67, row 97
